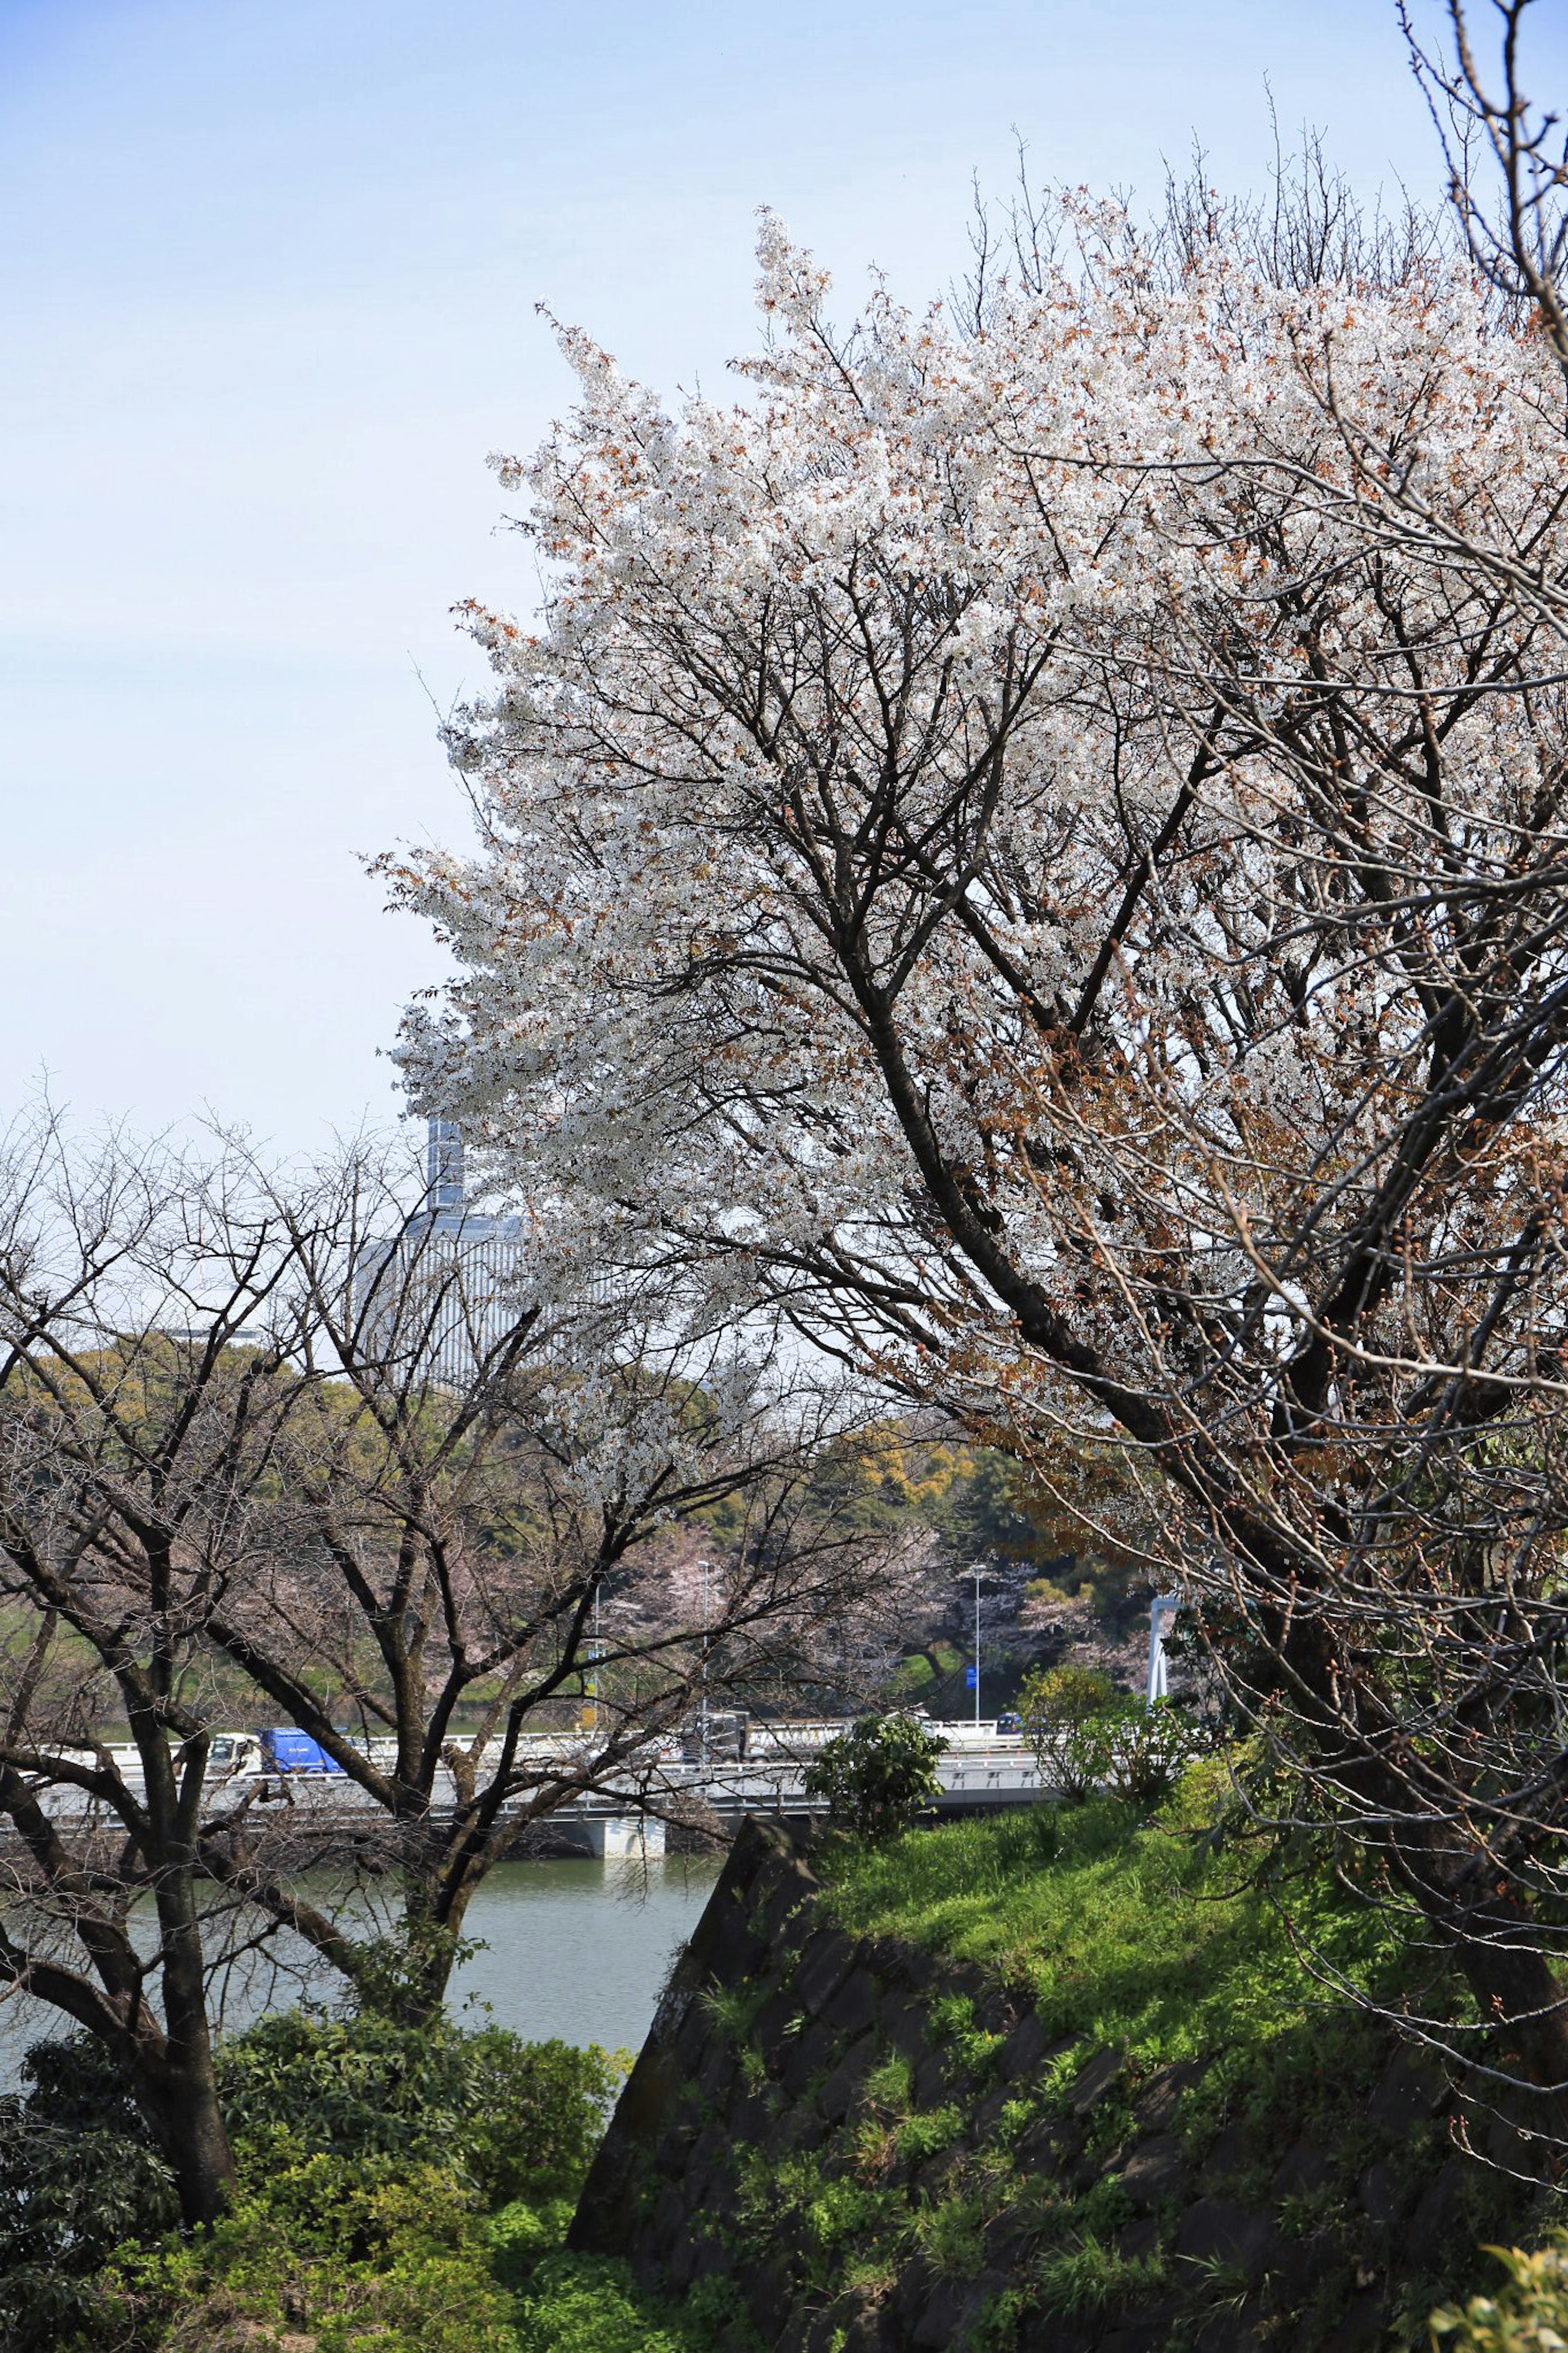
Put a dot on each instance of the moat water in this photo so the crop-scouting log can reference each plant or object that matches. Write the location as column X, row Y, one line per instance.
column 569, row 1949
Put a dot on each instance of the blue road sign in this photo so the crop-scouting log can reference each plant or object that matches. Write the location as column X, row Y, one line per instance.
column 971, row 1677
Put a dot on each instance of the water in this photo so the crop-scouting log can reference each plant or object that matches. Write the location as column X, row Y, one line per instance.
column 580, row 1949
column 574, row 1949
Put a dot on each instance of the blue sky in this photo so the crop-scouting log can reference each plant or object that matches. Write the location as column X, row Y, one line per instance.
column 268, row 277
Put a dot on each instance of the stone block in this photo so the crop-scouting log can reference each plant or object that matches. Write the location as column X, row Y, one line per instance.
column 826, row 1960
column 996, row 2012
column 801, row 2128
column 714, row 2260
column 987, row 2117
column 932, row 2176
column 1092, row 2082
column 1135, row 2239
column 1047, row 2332
column 781, row 1907
column 751, row 2119
column 1023, row 2053
column 1432, row 2225
column 1139, row 2336
column 893, row 1963
column 860, row 2315
column 943, row 2310
column 1227, row 2332
column 852, row 2005
column 711, row 2148
column 672, row 2152
column 718, row 2072
column 1216, row 2231
column 666, row 2223
column 902, row 2018
column 777, row 2015
column 1382, row 2194
column 1050, row 2145
column 1362, row 2324
column 1231, row 2153
column 1161, row 2095
column 693, row 2037
column 1155, row 2172
column 1301, row 2171
column 808, row 2055
column 735, row 1953
column 841, row 2088
column 932, row 2079
column 1410, row 2089
column 871, row 2331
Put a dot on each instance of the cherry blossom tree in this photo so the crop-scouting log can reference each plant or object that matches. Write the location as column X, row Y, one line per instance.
column 1035, row 846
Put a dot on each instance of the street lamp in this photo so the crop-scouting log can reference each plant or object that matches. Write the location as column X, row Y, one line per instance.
column 702, row 1708
column 974, row 1671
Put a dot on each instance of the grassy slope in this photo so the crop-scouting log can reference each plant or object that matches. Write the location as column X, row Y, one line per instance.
column 1144, row 1940
column 1147, row 1941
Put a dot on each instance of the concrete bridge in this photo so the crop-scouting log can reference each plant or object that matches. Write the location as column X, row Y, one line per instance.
column 980, row 1770
column 624, row 1815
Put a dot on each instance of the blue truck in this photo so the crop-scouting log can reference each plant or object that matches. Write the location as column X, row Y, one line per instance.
column 277, row 1749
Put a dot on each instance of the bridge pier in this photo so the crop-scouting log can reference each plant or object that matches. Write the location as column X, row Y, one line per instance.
column 620, row 1838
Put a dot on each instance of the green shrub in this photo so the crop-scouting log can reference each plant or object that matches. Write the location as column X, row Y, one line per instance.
column 77, row 2175
column 879, row 1775
column 1053, row 1703
column 514, row 2119
column 521, row 2235
column 397, row 2263
column 589, row 2304
column 1052, row 1699
column 1087, row 2276
column 1137, row 1753
column 368, row 2156
column 1529, row 2316
column 927, row 2134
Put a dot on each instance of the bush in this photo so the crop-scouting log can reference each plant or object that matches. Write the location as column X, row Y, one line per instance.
column 368, row 2156
column 357, row 2257
column 514, row 2119
column 1053, row 1703
column 1139, row 1753
column 590, row 2304
column 879, row 1775
column 1529, row 2316
column 77, row 2175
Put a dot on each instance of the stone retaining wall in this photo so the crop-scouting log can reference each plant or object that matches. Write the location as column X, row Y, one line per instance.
column 793, row 2071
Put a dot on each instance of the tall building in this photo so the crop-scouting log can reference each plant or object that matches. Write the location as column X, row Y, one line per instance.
column 452, row 1281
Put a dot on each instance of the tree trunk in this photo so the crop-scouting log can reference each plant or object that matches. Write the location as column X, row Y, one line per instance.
column 179, row 2098
column 180, row 2104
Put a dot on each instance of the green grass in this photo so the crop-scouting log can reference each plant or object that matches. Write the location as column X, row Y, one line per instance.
column 1145, row 1938
column 1136, row 1937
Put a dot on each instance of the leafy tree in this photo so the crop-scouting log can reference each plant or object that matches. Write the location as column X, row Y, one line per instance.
column 877, row 1776
column 1137, row 1753
column 1053, row 1703
column 513, row 2119
column 242, row 1478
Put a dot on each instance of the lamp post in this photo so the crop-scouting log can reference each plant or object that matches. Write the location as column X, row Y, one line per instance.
column 975, row 1575
column 593, row 1679
column 702, row 1706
